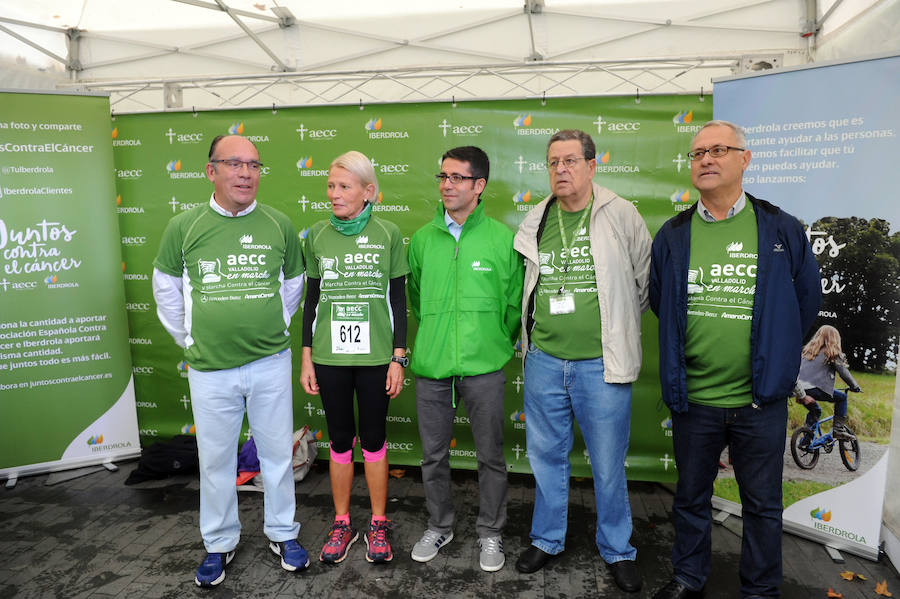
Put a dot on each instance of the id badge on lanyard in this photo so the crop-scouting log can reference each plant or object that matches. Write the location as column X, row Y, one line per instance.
column 564, row 300
column 562, row 303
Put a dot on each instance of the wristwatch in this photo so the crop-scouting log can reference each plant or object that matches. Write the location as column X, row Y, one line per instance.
column 401, row 360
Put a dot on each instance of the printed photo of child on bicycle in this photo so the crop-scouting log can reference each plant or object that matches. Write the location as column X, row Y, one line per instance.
column 821, row 359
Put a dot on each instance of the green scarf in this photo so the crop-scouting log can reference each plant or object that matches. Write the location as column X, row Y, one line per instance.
column 354, row 225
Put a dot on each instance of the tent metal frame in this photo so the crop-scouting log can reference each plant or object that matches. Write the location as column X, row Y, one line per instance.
column 279, row 83
column 420, row 84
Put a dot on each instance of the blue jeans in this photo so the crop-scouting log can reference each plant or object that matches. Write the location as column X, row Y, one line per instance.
column 755, row 438
column 556, row 391
column 218, row 398
column 839, row 399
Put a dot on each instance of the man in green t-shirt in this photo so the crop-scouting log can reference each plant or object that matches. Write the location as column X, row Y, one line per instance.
column 587, row 254
column 735, row 286
column 227, row 279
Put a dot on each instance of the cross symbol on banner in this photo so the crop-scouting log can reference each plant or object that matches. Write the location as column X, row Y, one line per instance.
column 665, row 460
column 517, row 450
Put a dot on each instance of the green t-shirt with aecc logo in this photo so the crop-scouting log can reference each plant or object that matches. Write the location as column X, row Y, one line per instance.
column 233, row 269
column 721, row 284
column 566, row 334
column 353, row 324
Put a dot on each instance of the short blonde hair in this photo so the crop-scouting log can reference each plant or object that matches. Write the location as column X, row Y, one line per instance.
column 357, row 163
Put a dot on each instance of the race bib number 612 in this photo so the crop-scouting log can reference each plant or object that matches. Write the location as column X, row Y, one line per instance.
column 349, row 328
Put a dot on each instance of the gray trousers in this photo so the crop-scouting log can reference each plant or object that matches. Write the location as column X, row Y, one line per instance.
column 483, row 397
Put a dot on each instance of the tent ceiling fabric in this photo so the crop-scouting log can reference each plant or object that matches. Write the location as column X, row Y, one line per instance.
column 167, row 54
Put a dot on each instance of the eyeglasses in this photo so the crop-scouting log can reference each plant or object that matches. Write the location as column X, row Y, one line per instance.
column 235, row 165
column 715, row 152
column 567, row 162
column 454, row 178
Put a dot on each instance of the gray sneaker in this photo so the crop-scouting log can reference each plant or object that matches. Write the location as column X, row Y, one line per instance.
column 429, row 545
column 491, row 557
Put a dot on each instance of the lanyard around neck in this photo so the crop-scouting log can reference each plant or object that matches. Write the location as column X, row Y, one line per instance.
column 565, row 241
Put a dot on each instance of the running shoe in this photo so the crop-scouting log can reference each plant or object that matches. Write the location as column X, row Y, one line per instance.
column 426, row 549
column 379, row 547
column 212, row 571
column 293, row 555
column 339, row 540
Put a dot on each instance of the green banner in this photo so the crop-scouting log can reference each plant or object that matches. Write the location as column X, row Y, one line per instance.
column 159, row 167
column 66, row 390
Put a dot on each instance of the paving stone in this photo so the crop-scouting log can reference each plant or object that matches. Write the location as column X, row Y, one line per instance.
column 96, row 537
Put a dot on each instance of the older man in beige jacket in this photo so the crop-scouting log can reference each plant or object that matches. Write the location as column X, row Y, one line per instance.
column 587, row 258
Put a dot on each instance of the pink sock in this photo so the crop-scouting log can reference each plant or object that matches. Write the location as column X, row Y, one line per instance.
column 343, row 519
column 378, row 518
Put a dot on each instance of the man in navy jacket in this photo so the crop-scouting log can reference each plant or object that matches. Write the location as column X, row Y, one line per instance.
column 735, row 286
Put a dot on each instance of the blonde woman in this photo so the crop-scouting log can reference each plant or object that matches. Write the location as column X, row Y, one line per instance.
column 820, row 359
column 354, row 342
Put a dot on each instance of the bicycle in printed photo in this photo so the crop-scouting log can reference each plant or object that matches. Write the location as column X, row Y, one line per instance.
column 807, row 442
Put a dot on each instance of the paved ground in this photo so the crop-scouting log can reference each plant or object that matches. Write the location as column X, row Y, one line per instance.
column 95, row 537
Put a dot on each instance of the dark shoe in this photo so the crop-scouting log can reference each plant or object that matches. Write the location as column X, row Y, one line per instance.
column 212, row 571
column 840, row 431
column 676, row 590
column 532, row 560
column 626, row 575
column 293, row 555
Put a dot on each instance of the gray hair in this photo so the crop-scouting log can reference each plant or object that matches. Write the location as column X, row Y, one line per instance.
column 739, row 132
column 357, row 163
column 588, row 150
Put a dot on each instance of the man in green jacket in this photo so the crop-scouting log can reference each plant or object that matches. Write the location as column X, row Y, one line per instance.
column 465, row 289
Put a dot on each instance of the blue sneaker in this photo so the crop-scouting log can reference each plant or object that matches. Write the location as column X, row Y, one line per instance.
column 293, row 555
column 212, row 571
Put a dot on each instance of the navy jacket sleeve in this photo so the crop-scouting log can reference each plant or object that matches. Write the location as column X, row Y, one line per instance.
column 657, row 263
column 807, row 280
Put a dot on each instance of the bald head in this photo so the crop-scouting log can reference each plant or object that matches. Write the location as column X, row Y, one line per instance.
column 218, row 138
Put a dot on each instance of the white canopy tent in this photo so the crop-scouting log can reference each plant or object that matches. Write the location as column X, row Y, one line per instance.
column 171, row 54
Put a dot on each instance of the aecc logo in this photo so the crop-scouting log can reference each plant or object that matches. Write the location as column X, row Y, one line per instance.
column 616, row 127
column 459, row 129
column 18, row 285
column 316, row 133
column 184, row 138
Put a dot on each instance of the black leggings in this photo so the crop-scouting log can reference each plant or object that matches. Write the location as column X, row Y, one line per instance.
column 337, row 385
